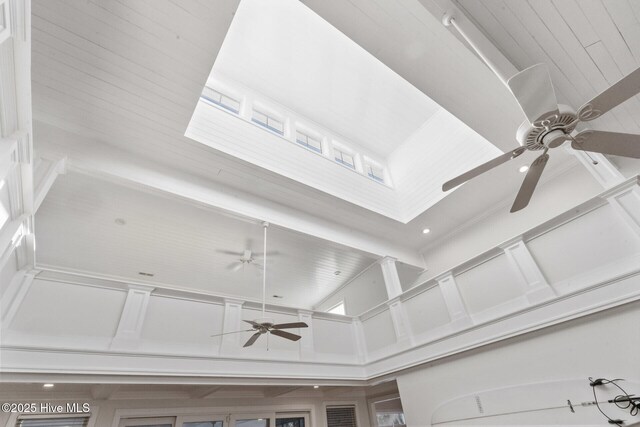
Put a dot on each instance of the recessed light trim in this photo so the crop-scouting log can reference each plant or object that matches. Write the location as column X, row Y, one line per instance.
column 523, row 168
column 426, row 230
column 48, row 385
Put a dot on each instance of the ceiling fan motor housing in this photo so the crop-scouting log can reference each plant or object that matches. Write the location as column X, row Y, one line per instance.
column 549, row 131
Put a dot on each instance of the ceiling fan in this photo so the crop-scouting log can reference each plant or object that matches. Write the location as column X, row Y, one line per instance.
column 266, row 326
column 549, row 125
column 245, row 258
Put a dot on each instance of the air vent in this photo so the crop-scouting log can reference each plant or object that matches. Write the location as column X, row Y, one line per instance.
column 142, row 273
column 341, row 416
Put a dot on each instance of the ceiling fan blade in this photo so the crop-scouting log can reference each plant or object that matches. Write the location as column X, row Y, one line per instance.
column 619, row 144
column 461, row 179
column 253, row 339
column 530, row 182
column 251, row 322
column 234, row 266
column 533, row 90
column 619, row 92
column 287, row 335
column 290, row 325
column 234, row 332
column 221, row 251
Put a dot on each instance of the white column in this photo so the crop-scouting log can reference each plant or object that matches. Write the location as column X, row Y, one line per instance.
column 306, row 342
column 396, row 309
column 391, row 278
column 604, row 172
column 533, row 282
column 232, row 322
column 132, row 318
column 400, row 320
column 360, row 341
column 453, row 300
column 626, row 202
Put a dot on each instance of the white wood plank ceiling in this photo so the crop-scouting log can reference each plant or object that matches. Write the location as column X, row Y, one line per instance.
column 180, row 244
column 587, row 44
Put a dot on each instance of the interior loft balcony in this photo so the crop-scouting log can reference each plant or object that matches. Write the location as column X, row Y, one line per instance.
column 509, row 290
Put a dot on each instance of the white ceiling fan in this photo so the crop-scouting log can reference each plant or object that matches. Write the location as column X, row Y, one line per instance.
column 549, row 125
column 245, row 258
column 265, row 326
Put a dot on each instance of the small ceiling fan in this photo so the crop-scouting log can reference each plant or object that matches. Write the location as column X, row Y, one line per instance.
column 549, row 125
column 266, row 326
column 245, row 258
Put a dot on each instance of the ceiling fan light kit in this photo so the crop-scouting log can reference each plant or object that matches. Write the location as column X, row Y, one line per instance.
column 548, row 124
column 264, row 325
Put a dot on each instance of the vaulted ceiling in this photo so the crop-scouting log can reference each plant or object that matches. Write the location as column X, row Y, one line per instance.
column 121, row 79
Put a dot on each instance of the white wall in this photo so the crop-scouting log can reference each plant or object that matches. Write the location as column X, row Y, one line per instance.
column 550, row 200
column 601, row 345
column 417, row 166
column 359, row 295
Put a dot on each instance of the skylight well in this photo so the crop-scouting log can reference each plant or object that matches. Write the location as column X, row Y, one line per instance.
column 357, row 130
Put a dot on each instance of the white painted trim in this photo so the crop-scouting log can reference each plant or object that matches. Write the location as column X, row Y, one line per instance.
column 50, row 176
column 15, row 294
column 532, row 280
column 132, row 318
column 391, row 278
column 455, row 305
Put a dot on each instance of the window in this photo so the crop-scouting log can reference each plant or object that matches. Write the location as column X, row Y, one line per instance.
column 341, row 416
column 374, row 172
column 291, row 422
column 309, row 142
column 344, row 158
column 337, row 309
column 268, row 122
column 202, row 424
column 53, row 422
column 147, row 422
column 220, row 99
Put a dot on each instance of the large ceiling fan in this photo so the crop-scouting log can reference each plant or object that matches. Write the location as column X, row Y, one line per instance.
column 549, row 125
column 266, row 326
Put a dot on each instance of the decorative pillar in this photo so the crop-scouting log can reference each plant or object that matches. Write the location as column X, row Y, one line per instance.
column 452, row 298
column 391, row 278
column 533, row 282
column 232, row 322
column 396, row 309
column 625, row 200
column 360, row 342
column 306, row 342
column 132, row 318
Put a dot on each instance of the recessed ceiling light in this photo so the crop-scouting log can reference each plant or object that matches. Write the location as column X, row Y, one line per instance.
column 120, row 221
column 47, row 385
column 337, row 272
column 426, row 231
column 316, row 386
column 523, row 169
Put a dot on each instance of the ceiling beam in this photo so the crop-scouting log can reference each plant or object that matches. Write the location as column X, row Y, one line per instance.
column 103, row 161
column 103, row 391
column 205, row 393
column 271, row 392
